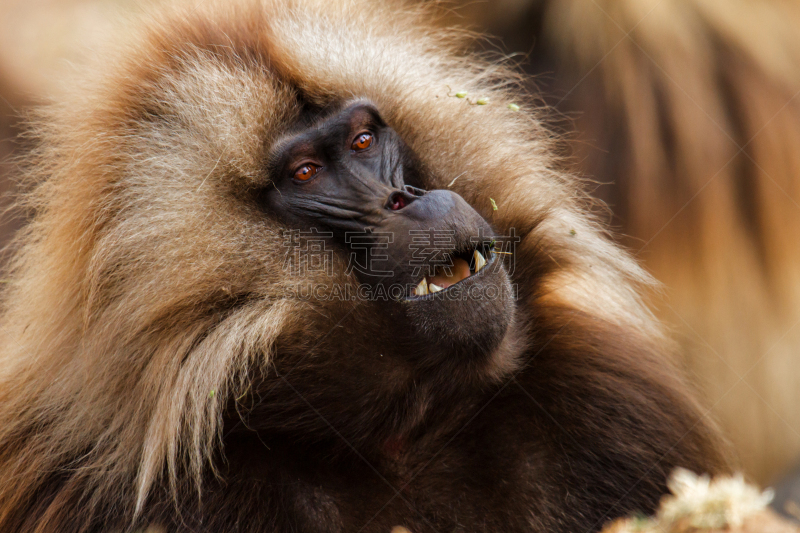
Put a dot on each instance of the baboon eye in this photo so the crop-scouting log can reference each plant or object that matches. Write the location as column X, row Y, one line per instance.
column 362, row 142
column 306, row 172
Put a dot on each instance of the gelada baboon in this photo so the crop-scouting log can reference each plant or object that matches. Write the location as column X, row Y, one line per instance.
column 164, row 363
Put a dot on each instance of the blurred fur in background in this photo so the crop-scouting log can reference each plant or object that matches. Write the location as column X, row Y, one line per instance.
column 687, row 115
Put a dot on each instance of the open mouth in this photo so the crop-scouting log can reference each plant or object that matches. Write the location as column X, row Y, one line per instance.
column 464, row 265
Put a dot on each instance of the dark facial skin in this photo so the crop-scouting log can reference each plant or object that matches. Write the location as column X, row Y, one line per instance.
column 352, row 175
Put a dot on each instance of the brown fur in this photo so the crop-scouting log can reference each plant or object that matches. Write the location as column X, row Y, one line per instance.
column 154, row 372
column 660, row 116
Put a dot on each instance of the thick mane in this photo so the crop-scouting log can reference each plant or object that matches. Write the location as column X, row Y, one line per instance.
column 132, row 318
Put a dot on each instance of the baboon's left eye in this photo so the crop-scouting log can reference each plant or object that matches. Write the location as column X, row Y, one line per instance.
column 362, row 142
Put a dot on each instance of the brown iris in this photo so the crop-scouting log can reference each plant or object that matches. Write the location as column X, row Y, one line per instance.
column 362, row 142
column 306, row 172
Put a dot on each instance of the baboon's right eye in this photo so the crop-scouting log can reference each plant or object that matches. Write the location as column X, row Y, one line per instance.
column 306, row 172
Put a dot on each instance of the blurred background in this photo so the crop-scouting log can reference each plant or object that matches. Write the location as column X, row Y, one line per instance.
column 685, row 116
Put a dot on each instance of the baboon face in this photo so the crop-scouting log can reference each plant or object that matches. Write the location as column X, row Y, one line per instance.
column 425, row 259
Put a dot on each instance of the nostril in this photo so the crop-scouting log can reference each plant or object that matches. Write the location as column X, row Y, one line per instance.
column 400, row 199
column 397, row 201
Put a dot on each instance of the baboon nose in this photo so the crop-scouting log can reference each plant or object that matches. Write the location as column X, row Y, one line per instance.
column 400, row 199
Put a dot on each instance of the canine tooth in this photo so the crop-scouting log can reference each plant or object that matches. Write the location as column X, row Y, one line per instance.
column 434, row 288
column 422, row 288
column 480, row 262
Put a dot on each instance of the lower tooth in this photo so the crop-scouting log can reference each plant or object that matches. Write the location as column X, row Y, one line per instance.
column 434, row 288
